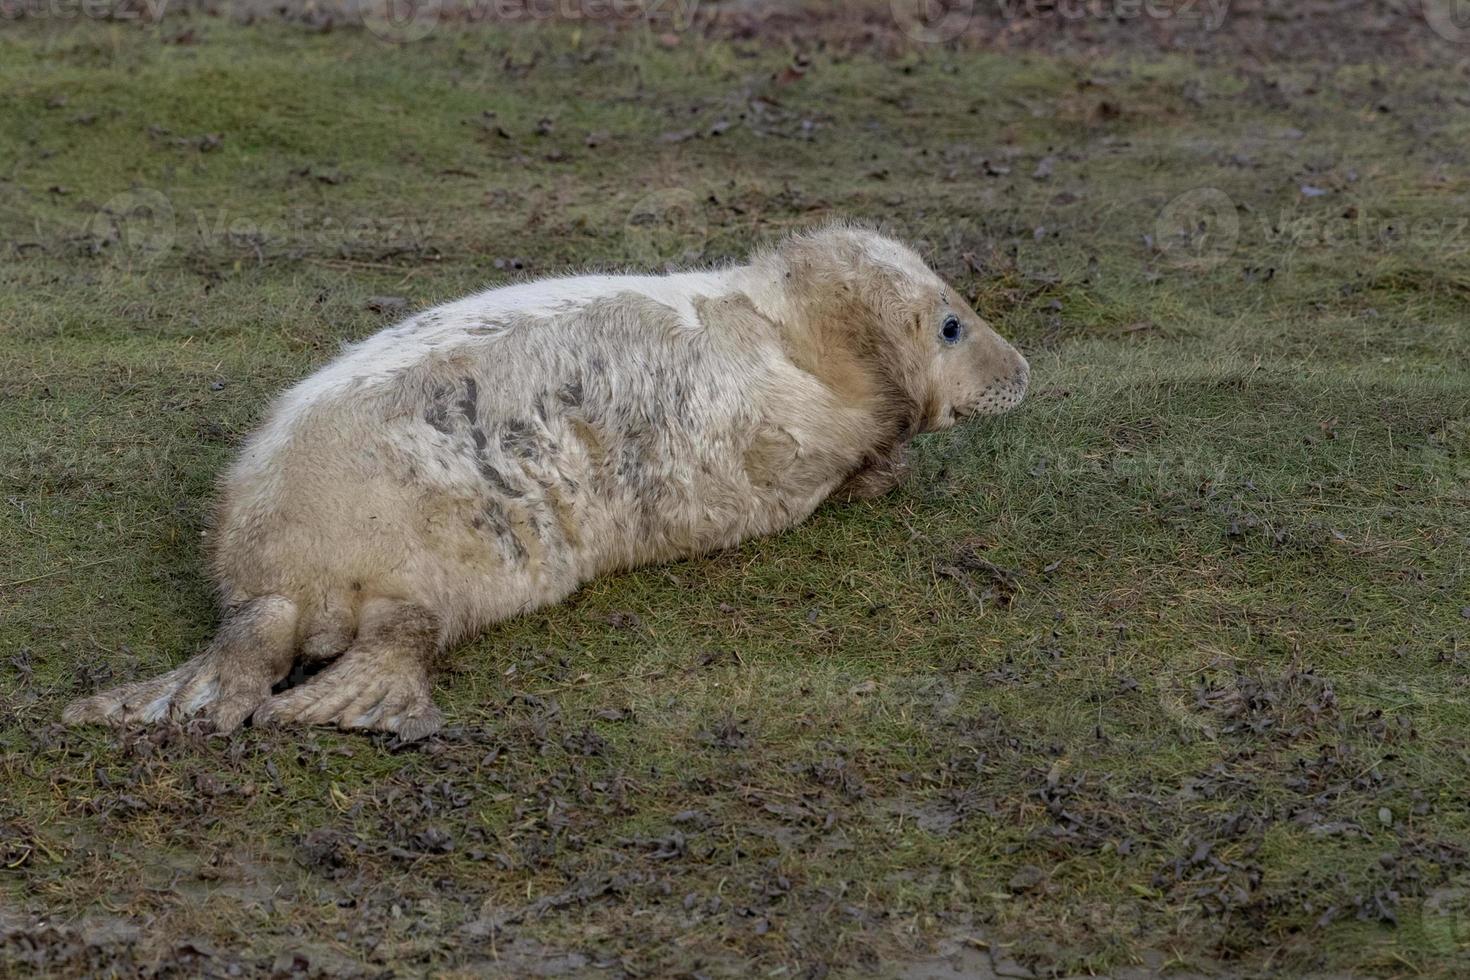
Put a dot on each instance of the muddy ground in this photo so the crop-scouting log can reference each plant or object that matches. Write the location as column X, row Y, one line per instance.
column 1165, row 673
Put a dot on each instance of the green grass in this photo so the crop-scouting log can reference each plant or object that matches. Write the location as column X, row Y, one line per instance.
column 1216, row 716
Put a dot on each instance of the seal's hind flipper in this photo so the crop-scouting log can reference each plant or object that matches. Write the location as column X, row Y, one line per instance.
column 225, row 684
column 380, row 683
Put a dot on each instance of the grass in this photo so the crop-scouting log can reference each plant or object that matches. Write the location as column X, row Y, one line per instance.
column 1169, row 667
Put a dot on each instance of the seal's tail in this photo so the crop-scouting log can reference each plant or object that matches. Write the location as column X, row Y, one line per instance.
column 226, row 683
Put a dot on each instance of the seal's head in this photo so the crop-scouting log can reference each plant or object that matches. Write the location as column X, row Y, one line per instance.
column 970, row 369
column 874, row 301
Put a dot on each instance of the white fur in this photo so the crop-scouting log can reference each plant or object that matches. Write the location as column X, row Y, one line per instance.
column 489, row 455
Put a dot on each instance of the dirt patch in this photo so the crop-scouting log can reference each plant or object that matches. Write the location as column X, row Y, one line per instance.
column 1258, row 30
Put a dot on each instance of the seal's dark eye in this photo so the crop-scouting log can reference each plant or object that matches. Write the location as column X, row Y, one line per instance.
column 951, row 331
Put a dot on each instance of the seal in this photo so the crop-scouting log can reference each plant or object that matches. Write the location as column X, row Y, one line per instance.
column 487, row 457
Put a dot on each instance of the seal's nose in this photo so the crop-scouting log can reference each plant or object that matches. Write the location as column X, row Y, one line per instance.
column 1022, row 376
column 1014, row 372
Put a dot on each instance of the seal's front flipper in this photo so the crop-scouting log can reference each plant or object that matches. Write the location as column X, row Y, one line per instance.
column 876, row 478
